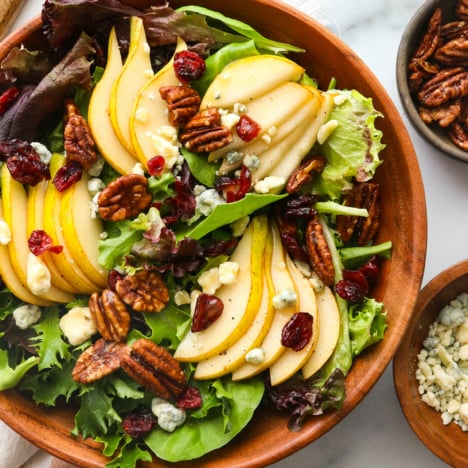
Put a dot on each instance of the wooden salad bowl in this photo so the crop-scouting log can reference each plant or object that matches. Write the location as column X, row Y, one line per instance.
column 447, row 442
column 267, row 438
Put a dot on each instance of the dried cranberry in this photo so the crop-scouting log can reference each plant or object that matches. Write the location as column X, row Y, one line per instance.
column 298, row 331
column 112, row 278
column 207, row 310
column 190, row 399
column 220, row 247
column 156, row 165
column 247, row 128
column 233, row 188
column 353, row 287
column 39, row 242
column 23, row 162
column 67, row 175
column 370, row 269
column 7, row 98
column 138, row 423
column 188, row 65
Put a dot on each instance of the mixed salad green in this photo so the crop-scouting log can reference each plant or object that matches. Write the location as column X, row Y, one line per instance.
column 38, row 360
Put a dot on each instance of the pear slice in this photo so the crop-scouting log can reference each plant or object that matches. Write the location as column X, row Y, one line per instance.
column 241, row 299
column 11, row 280
column 35, row 210
column 99, row 120
column 232, row 358
column 81, row 231
column 134, row 74
column 292, row 158
column 292, row 361
column 64, row 261
column 14, row 204
column 279, row 278
column 329, row 319
column 270, row 111
column 150, row 111
column 249, row 78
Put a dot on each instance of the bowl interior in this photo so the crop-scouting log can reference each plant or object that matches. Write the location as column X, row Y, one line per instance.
column 410, row 41
column 267, row 438
column 447, row 442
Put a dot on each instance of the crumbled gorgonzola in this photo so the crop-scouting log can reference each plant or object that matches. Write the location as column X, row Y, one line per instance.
column 26, row 315
column 284, row 298
column 255, row 356
column 78, row 325
column 169, row 416
column 442, row 370
column 269, row 184
column 37, row 275
column 5, row 232
column 42, row 151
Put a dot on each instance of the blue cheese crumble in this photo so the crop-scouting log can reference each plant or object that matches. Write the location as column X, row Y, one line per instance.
column 442, row 370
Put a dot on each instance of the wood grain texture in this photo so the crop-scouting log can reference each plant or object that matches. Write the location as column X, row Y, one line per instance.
column 267, row 438
column 9, row 9
column 447, row 442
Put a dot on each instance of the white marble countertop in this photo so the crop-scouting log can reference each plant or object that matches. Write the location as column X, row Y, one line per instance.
column 376, row 432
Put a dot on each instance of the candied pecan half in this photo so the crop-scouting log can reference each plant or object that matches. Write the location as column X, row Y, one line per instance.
column 453, row 53
column 145, row 291
column 362, row 195
column 125, row 197
column 449, row 83
column 204, row 132
column 461, row 9
column 454, row 29
column 319, row 253
column 444, row 114
column 99, row 360
column 182, row 103
column 110, row 314
column 458, row 135
column 79, row 144
column 154, row 368
column 430, row 39
column 303, row 174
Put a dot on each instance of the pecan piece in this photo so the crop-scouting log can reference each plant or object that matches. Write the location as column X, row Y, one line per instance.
column 204, row 132
column 454, row 29
column 453, row 53
column 319, row 253
column 79, row 144
column 99, row 360
column 125, row 197
column 458, row 135
column 449, row 83
column 461, row 9
column 444, row 114
column 154, row 368
column 303, row 174
column 145, row 291
column 110, row 314
column 363, row 195
column 430, row 39
column 182, row 103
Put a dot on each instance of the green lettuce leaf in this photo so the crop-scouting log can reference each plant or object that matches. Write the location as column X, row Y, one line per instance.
column 352, row 150
column 200, row 436
column 11, row 376
column 367, row 324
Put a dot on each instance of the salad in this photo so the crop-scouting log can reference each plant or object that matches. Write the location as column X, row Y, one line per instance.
column 187, row 227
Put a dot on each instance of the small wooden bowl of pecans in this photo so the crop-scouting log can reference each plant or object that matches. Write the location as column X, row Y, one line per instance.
column 432, row 74
column 430, row 370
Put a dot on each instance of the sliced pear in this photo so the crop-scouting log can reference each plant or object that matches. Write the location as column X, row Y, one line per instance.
column 292, row 361
column 64, row 261
column 248, row 78
column 134, row 74
column 81, row 231
column 232, row 358
column 241, row 299
column 150, row 111
column 279, row 278
column 329, row 319
column 292, row 158
column 35, row 209
column 14, row 204
column 270, row 111
column 99, row 121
